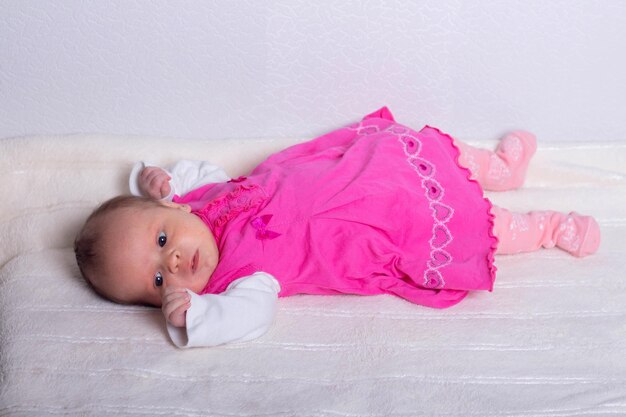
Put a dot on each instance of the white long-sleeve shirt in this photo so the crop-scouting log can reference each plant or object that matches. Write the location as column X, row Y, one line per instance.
column 246, row 309
column 186, row 176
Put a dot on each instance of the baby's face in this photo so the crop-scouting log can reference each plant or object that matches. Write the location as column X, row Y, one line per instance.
column 147, row 249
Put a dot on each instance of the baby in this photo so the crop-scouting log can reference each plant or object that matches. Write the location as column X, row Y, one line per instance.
column 372, row 208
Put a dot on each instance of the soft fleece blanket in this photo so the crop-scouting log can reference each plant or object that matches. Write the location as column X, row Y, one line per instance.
column 549, row 341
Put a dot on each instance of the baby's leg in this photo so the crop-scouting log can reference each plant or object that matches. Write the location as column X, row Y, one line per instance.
column 516, row 232
column 504, row 169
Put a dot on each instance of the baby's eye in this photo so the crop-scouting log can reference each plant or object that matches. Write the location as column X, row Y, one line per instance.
column 162, row 239
column 158, row 279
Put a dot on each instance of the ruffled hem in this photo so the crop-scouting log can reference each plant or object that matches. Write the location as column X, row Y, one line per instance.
column 490, row 216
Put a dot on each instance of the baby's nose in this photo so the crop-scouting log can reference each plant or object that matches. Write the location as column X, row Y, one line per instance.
column 173, row 261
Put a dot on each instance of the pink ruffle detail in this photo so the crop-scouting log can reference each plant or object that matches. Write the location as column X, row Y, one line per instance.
column 224, row 208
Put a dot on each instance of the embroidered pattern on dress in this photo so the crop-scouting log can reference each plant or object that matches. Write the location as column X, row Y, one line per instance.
column 434, row 191
column 440, row 212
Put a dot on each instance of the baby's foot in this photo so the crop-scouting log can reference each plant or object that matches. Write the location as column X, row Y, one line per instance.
column 579, row 235
column 508, row 165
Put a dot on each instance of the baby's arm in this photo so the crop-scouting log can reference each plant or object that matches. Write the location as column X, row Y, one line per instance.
column 151, row 181
column 243, row 312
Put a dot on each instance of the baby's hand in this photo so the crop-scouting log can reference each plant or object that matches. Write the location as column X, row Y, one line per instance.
column 174, row 304
column 154, row 182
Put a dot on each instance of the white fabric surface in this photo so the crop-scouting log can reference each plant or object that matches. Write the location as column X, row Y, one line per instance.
column 549, row 341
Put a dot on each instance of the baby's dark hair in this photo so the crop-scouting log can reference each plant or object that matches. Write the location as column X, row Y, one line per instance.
column 86, row 244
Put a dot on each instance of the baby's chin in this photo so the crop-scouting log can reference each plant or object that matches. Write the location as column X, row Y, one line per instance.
column 201, row 284
column 205, row 272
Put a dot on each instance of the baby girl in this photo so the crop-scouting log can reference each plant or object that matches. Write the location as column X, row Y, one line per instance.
column 371, row 208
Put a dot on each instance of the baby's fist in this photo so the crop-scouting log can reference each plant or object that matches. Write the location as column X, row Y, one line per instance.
column 154, row 182
column 174, row 304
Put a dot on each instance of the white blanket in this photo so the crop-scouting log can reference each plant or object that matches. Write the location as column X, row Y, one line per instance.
column 549, row 341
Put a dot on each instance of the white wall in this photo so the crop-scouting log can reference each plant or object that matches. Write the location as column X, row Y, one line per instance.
column 298, row 68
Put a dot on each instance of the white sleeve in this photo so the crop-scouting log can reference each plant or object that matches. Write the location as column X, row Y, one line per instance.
column 186, row 176
column 243, row 312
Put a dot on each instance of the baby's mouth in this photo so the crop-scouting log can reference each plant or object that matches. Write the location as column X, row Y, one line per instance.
column 195, row 261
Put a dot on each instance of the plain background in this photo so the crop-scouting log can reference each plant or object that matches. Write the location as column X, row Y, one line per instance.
column 223, row 69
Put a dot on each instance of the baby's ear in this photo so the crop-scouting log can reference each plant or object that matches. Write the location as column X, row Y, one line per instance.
column 171, row 204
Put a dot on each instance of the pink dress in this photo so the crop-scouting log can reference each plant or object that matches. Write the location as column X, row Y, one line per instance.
column 372, row 208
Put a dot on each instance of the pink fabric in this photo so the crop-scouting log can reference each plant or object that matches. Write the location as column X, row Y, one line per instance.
column 371, row 208
column 504, row 169
column 525, row 232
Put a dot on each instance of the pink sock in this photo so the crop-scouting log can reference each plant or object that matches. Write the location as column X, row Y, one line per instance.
column 579, row 235
column 504, row 169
